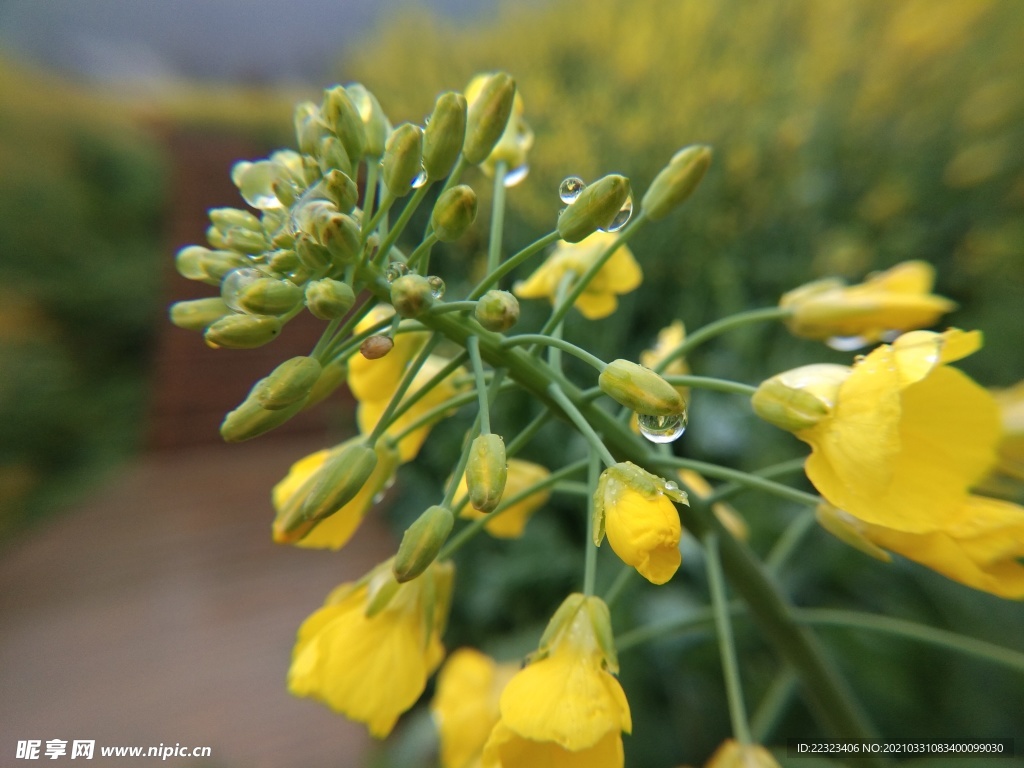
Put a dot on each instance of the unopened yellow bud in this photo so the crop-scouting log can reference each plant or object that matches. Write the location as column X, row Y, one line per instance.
column 798, row 399
column 312, row 255
column 497, row 311
column 376, row 125
column 283, row 261
column 444, row 135
column 640, row 389
column 595, row 208
column 246, row 241
column 195, row 262
column 340, row 189
column 342, row 116
column 310, row 129
column 268, row 296
column 487, row 117
column 333, row 156
column 677, row 181
column 332, row 376
column 289, row 383
column 486, row 472
column 340, row 235
column 243, row 331
column 329, row 299
column 411, row 295
column 403, row 159
column 197, row 314
column 337, row 482
column 454, row 211
column 227, row 218
column 250, row 419
column 421, row 542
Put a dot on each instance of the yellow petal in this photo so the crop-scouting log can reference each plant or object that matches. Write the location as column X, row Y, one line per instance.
column 506, row 749
column 644, row 532
column 465, row 706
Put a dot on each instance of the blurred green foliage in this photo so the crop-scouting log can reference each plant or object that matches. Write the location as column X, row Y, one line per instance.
column 849, row 136
column 80, row 236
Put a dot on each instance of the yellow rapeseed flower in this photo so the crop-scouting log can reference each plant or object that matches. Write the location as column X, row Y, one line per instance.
column 465, row 706
column 621, row 274
column 732, row 754
column 332, row 532
column 514, row 143
column 367, row 653
column 896, row 300
column 1011, row 446
column 565, row 708
column 634, row 509
column 511, row 521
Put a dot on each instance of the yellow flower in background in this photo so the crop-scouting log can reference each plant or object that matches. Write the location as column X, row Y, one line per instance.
column 465, row 706
column 368, row 651
column 668, row 339
column 634, row 509
column 730, row 519
column 565, row 708
column 889, row 302
column 511, row 521
column 514, row 143
column 332, row 532
column 1011, row 445
column 621, row 274
column 732, row 754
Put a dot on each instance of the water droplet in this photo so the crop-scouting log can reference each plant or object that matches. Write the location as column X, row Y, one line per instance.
column 437, row 286
column 890, row 336
column 421, row 179
column 622, row 217
column 847, row 343
column 571, row 188
column 516, row 175
column 236, row 281
column 671, row 485
column 662, row 429
column 395, row 270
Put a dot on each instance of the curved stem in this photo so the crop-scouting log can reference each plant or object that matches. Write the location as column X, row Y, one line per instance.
column 581, row 423
column 422, row 253
column 590, row 551
column 497, row 216
column 511, row 264
column 707, row 382
column 614, row 592
column 551, row 341
column 473, row 347
column 773, row 706
column 718, row 327
column 742, row 478
column 701, row 619
column 403, row 220
column 788, row 542
column 403, row 386
column 728, row 490
column 452, row 306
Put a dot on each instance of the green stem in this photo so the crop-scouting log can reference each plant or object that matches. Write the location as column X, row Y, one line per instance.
column 728, row 490
column 372, row 173
column 590, row 551
column 979, row 649
column 718, row 327
column 551, row 341
column 450, row 367
column 773, row 705
column 707, row 382
column 403, row 387
column 527, row 433
column 437, row 412
column 403, row 220
column 386, row 201
column 497, row 216
column 511, row 264
column 614, row 592
column 343, row 345
column 726, row 643
column 452, row 306
column 698, row 620
column 473, row 347
column 325, row 338
column 788, row 542
column 422, row 253
column 581, row 423
column 742, row 478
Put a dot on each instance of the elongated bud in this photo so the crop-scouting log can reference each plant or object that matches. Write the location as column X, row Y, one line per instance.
column 497, row 311
column 341, row 190
column 487, row 117
column 444, row 135
column 246, row 241
column 250, row 419
column 421, row 542
column 486, row 472
column 338, row 481
column 197, row 314
column 849, row 530
column 640, row 389
column 227, row 218
column 677, row 181
column 289, row 383
column 195, row 262
column 403, row 159
column 595, row 208
column 283, row 261
column 310, row 129
column 340, row 235
column 333, row 156
column 268, row 296
column 342, row 116
column 376, row 125
column 332, row 376
column 243, row 331
column 329, row 299
column 798, row 399
column 312, row 255
column 454, row 211
column 411, row 295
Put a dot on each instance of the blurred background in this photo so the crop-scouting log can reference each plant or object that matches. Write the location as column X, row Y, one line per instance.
column 141, row 598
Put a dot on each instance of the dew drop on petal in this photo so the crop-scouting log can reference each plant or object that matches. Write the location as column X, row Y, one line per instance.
column 395, row 270
column 622, row 217
column 847, row 343
column 516, row 175
column 571, row 188
column 236, row 281
column 437, row 286
column 662, row 429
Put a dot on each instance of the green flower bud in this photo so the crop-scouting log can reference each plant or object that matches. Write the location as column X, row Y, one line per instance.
column 216, row 238
column 310, row 129
column 376, row 125
column 329, row 299
column 411, row 295
column 640, row 389
column 341, row 190
column 340, row 235
column 242, row 331
column 338, row 481
column 343, row 118
column 487, row 117
column 289, row 383
column 798, row 399
column 195, row 262
column 246, row 241
column 595, row 208
column 677, row 181
column 497, row 311
column 250, row 419
column 444, row 135
column 486, row 472
column 268, row 296
column 403, row 159
column 197, row 314
column 312, row 255
column 283, row 261
column 421, row 542
column 333, row 156
column 454, row 211
column 312, row 213
column 228, row 218
column 333, row 375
